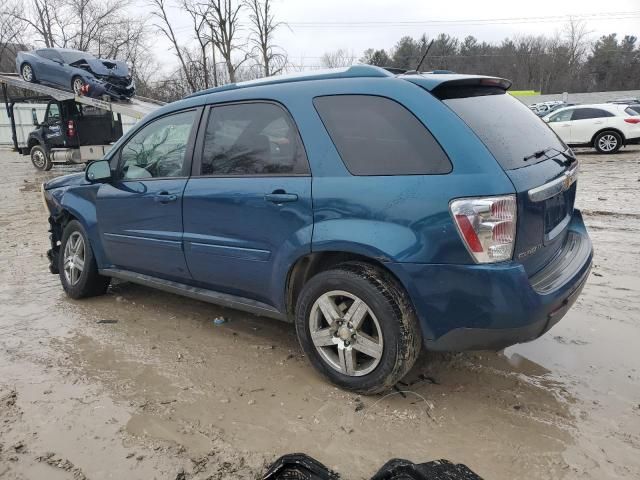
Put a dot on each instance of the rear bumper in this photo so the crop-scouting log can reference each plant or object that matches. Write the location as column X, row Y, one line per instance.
column 475, row 307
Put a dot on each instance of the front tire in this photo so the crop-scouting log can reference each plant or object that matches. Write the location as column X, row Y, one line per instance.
column 27, row 73
column 76, row 85
column 77, row 266
column 608, row 142
column 40, row 158
column 357, row 327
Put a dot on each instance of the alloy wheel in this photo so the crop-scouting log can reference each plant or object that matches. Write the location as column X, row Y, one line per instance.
column 74, row 255
column 27, row 73
column 608, row 143
column 77, row 86
column 346, row 333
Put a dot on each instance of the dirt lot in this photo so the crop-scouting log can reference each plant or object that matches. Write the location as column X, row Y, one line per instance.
column 164, row 393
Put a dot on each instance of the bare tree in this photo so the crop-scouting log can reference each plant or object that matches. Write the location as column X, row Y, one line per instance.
column 337, row 58
column 160, row 13
column 43, row 17
column 198, row 13
column 224, row 22
column 263, row 26
column 11, row 33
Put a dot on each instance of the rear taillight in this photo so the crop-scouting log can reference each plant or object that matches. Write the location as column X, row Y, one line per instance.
column 71, row 128
column 487, row 226
column 632, row 120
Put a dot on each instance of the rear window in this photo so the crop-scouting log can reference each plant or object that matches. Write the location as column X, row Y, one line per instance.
column 505, row 125
column 378, row 136
column 634, row 110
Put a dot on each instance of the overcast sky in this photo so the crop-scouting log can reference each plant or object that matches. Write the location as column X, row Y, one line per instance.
column 319, row 26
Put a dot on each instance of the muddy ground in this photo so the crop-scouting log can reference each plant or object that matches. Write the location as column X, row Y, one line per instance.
column 164, row 393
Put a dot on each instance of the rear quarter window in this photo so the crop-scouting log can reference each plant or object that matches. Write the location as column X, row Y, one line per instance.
column 378, row 136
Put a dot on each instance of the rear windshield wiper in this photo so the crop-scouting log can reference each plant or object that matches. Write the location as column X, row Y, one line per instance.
column 541, row 153
column 538, row 154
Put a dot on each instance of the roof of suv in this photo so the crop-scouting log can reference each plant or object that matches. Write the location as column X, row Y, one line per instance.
column 427, row 79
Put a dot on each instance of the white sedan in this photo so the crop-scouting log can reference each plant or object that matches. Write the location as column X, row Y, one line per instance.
column 605, row 127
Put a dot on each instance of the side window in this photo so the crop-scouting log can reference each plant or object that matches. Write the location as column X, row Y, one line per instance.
column 49, row 54
column 588, row 113
column 378, row 136
column 159, row 149
column 252, row 139
column 53, row 113
column 563, row 116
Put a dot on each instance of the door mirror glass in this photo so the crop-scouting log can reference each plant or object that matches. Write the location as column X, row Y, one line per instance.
column 98, row 171
column 34, row 117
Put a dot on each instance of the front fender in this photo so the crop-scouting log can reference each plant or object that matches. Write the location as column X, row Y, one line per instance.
column 80, row 203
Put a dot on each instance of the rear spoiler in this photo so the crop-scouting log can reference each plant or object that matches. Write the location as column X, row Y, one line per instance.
column 455, row 85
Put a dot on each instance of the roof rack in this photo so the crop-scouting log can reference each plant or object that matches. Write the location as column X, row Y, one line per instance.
column 137, row 107
column 346, row 72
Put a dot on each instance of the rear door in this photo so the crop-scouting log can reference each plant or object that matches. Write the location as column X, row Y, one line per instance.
column 533, row 157
column 140, row 213
column 247, row 206
column 586, row 121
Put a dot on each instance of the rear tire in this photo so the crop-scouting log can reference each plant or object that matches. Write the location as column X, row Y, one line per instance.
column 607, row 142
column 40, row 158
column 77, row 266
column 27, row 73
column 367, row 353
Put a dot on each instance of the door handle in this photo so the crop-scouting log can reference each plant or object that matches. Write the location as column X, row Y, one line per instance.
column 165, row 197
column 280, row 196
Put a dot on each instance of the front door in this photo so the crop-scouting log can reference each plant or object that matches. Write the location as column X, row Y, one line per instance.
column 560, row 123
column 247, row 206
column 53, row 126
column 140, row 212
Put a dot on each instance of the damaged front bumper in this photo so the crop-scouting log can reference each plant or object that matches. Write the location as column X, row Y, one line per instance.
column 99, row 87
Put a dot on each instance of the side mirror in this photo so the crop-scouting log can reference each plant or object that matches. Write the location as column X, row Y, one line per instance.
column 34, row 117
column 98, row 171
column 546, row 119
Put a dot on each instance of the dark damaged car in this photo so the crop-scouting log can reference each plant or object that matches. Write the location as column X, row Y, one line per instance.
column 79, row 71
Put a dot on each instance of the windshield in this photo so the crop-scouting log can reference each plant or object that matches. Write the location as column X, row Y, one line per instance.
column 509, row 129
column 72, row 56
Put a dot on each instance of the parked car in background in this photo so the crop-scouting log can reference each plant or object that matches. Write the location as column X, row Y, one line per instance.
column 626, row 101
column 78, row 71
column 430, row 224
column 606, row 127
column 545, row 108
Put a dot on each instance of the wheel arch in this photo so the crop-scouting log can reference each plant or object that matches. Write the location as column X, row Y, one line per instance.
column 310, row 264
column 74, row 206
column 607, row 129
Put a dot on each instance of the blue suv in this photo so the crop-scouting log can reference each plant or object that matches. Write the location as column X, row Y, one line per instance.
column 380, row 213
